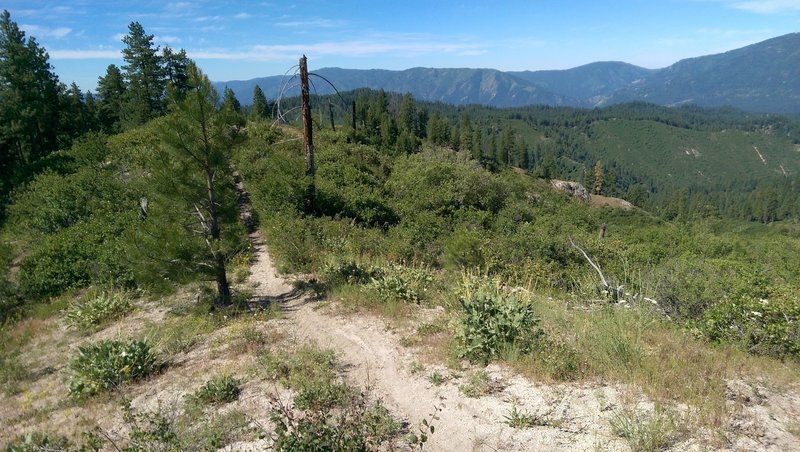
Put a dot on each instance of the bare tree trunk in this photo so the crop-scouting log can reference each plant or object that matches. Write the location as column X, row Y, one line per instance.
column 308, row 139
column 223, row 288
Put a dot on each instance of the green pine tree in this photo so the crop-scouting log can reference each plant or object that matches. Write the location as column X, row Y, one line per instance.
column 144, row 75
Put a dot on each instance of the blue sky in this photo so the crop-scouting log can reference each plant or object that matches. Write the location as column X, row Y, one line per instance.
column 237, row 40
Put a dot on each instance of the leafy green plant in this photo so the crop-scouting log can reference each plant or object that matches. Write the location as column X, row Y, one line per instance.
column 151, row 430
column 95, row 308
column 479, row 383
column 493, row 320
column 105, row 365
column 437, row 378
column 763, row 326
column 37, row 441
column 223, row 389
column 401, row 283
column 325, row 414
column 426, row 427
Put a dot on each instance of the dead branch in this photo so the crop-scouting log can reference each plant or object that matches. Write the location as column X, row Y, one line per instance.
column 591, row 262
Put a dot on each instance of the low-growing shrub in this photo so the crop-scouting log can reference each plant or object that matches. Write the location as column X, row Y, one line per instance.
column 107, row 364
column 763, row 326
column 494, row 320
column 218, row 390
column 646, row 432
column 38, row 441
column 396, row 282
column 95, row 308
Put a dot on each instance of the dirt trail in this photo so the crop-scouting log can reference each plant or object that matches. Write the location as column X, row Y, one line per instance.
column 373, row 357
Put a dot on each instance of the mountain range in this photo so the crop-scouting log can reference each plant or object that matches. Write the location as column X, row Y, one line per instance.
column 763, row 77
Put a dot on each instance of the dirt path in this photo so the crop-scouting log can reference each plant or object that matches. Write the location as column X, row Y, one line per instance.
column 373, row 357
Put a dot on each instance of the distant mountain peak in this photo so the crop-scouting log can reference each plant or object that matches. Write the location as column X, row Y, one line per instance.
column 761, row 77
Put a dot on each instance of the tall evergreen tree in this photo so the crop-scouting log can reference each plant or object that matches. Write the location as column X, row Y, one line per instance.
column 144, row 75
column 175, row 66
column 260, row 108
column 230, row 101
column 194, row 162
column 599, row 178
column 111, row 89
column 29, row 98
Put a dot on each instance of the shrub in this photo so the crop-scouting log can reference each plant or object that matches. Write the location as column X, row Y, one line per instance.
column 646, row 432
column 38, row 441
column 218, row 390
column 763, row 326
column 96, row 308
column 107, row 364
column 326, row 414
column 494, row 320
column 75, row 257
column 395, row 282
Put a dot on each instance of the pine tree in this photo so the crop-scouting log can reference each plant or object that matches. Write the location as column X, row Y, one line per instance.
column 111, row 89
column 175, row 66
column 144, row 76
column 30, row 101
column 230, row 101
column 260, row 108
column 407, row 119
column 197, row 137
column 598, row 178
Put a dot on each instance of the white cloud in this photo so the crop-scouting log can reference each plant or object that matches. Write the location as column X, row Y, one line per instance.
column 314, row 23
column 242, row 16
column 44, row 32
column 765, row 6
column 342, row 48
column 167, row 39
column 118, row 37
column 84, row 54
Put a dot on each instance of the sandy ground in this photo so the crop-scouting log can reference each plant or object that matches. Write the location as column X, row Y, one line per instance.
column 577, row 415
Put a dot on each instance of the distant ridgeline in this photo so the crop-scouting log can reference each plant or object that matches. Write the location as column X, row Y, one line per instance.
column 679, row 162
column 763, row 77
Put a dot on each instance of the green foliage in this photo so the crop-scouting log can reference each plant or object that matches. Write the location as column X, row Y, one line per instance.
column 150, row 430
column 646, row 432
column 105, row 365
column 327, row 414
column 96, row 308
column 768, row 326
column 74, row 257
column 397, row 282
column 37, row 441
column 494, row 320
column 223, row 389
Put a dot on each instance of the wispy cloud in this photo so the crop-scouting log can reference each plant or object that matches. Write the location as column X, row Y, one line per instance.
column 314, row 23
column 84, row 54
column 342, row 48
column 764, row 6
column 167, row 39
column 242, row 16
column 44, row 32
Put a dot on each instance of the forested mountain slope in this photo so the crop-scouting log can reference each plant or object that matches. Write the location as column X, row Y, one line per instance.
column 762, row 77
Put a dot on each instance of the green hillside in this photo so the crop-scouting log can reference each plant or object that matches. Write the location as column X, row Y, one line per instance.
column 675, row 157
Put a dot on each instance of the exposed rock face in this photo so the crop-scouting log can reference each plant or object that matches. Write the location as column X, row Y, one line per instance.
column 572, row 188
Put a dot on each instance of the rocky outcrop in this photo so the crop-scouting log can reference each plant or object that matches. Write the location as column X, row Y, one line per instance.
column 572, row 188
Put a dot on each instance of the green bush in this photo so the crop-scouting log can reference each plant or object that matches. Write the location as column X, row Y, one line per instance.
column 396, row 282
column 764, row 326
column 107, row 364
column 218, row 390
column 95, row 308
column 494, row 320
column 38, row 441
column 87, row 252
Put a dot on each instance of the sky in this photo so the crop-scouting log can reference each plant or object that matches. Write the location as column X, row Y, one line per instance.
column 241, row 40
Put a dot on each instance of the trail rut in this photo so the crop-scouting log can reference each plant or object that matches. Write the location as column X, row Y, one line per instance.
column 374, row 358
